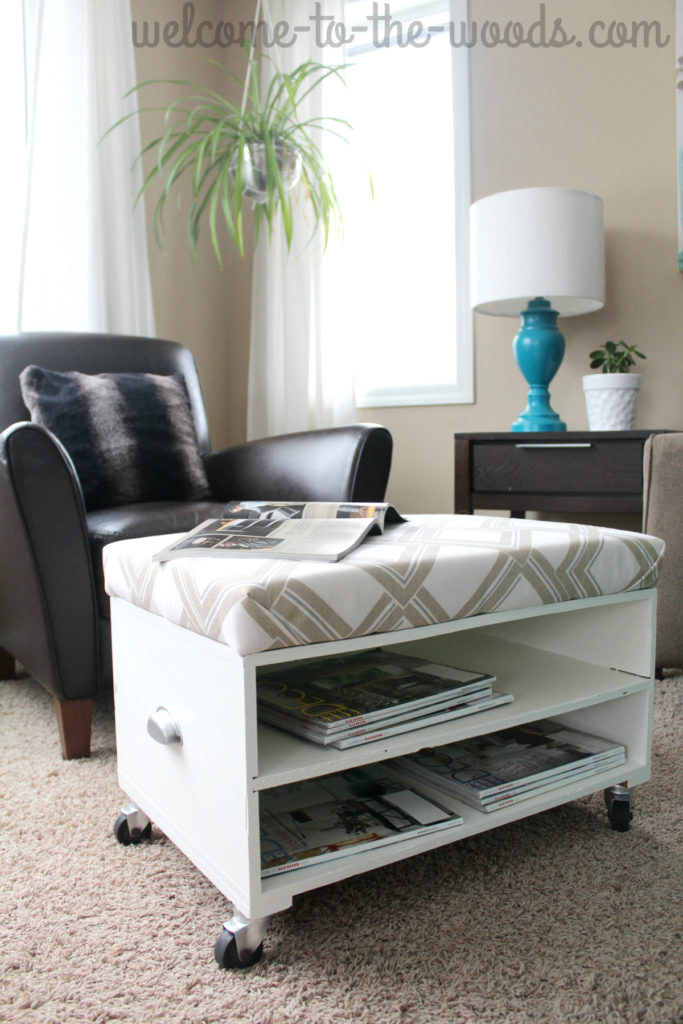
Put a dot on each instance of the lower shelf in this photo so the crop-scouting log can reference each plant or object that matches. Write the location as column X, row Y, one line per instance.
column 283, row 887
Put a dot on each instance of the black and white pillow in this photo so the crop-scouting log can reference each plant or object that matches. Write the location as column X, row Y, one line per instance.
column 131, row 436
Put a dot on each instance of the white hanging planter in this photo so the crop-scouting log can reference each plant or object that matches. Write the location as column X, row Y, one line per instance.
column 611, row 400
column 255, row 169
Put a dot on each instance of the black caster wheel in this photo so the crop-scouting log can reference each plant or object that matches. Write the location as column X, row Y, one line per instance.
column 225, row 952
column 620, row 816
column 130, row 836
column 618, row 804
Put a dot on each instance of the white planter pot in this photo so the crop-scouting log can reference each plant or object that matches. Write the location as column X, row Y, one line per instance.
column 611, row 400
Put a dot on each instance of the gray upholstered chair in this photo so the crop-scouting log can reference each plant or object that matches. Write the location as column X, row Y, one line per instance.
column 662, row 517
column 54, row 613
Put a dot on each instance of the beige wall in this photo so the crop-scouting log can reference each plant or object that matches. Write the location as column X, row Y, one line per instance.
column 196, row 302
column 599, row 119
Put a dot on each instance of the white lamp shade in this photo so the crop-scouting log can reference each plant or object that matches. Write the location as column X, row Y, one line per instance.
column 537, row 243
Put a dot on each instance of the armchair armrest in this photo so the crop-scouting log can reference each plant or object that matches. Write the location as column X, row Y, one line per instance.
column 348, row 463
column 48, row 611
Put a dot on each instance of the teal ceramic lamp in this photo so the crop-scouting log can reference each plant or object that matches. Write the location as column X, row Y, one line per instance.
column 538, row 253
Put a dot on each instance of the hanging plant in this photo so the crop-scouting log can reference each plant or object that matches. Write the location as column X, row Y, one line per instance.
column 258, row 153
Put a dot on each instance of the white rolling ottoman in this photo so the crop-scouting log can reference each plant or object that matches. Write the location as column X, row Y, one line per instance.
column 564, row 615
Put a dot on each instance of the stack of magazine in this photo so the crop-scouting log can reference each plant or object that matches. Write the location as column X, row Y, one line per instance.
column 347, row 701
column 317, row 820
column 506, row 767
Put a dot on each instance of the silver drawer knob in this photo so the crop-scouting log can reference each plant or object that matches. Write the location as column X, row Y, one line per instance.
column 163, row 727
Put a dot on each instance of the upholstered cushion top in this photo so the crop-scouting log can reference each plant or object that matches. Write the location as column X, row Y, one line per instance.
column 130, row 436
column 430, row 569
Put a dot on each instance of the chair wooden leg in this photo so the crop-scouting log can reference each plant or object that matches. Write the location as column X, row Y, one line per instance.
column 7, row 665
column 74, row 718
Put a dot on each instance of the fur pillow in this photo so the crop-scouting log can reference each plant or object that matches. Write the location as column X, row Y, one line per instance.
column 130, row 436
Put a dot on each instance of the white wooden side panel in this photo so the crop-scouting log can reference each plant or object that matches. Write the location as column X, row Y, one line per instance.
column 199, row 793
column 628, row 720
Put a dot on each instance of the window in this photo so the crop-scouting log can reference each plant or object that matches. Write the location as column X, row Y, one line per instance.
column 401, row 282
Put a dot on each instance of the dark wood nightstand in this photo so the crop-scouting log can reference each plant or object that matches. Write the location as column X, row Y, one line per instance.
column 574, row 471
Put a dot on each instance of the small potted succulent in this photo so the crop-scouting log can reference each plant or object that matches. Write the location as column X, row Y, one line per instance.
column 612, row 395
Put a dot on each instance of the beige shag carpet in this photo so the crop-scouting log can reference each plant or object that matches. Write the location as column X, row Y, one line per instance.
column 556, row 920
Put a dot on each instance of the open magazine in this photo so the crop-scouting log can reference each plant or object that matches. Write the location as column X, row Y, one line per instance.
column 326, row 531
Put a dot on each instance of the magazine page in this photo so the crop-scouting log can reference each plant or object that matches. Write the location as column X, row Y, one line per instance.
column 380, row 511
column 326, row 540
column 316, row 820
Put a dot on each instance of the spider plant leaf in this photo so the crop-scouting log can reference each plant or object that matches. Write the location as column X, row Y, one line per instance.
column 165, row 154
column 226, row 206
column 237, row 193
column 198, row 160
column 197, row 208
column 215, row 193
column 325, row 71
column 317, row 122
column 159, row 81
column 185, row 162
column 273, row 183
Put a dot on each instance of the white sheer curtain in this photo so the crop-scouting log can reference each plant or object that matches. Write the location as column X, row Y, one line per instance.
column 297, row 379
column 13, row 163
column 83, row 260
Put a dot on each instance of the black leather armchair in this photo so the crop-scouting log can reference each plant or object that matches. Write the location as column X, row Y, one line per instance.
column 54, row 613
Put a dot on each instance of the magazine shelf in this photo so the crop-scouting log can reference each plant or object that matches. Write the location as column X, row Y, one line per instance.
column 569, row 684
column 474, row 822
column 588, row 663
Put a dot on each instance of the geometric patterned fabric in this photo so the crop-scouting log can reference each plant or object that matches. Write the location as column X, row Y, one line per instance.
column 430, row 569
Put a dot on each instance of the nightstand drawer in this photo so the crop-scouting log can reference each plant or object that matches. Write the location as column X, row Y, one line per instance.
column 543, row 467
